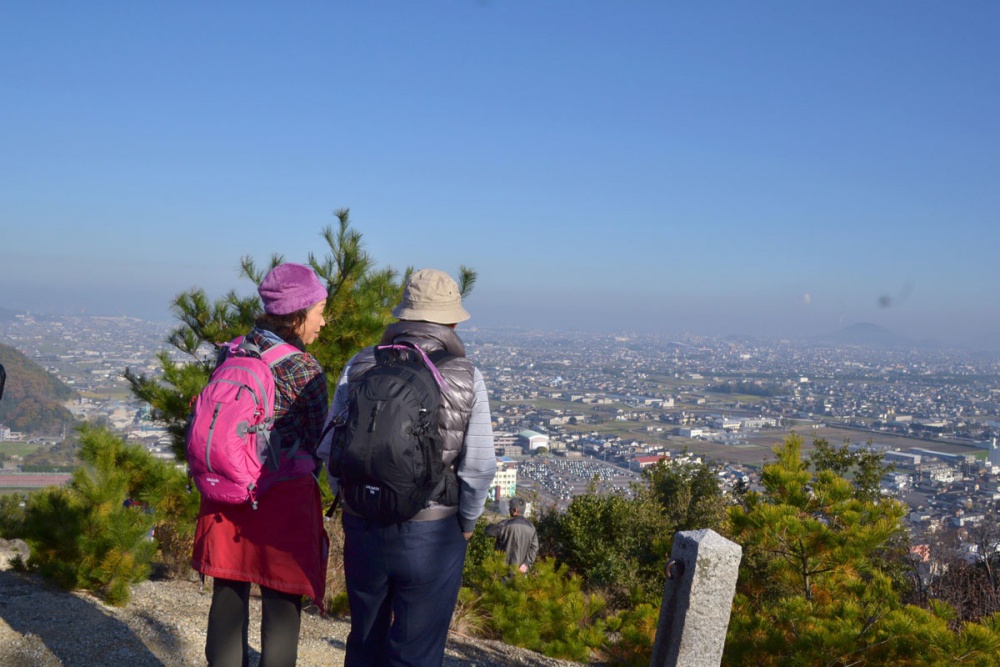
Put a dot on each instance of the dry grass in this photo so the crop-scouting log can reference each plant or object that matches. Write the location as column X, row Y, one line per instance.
column 468, row 619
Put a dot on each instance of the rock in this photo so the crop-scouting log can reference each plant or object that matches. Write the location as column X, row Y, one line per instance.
column 11, row 549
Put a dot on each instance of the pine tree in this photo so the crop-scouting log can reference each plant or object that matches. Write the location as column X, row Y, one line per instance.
column 358, row 308
column 631, row 634
column 546, row 610
column 11, row 515
column 616, row 543
column 815, row 589
column 865, row 467
column 97, row 533
column 689, row 494
column 361, row 297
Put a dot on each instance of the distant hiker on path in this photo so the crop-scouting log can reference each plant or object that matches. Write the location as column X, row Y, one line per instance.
column 280, row 544
column 403, row 574
column 516, row 537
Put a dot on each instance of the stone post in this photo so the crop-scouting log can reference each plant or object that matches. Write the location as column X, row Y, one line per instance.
column 697, row 600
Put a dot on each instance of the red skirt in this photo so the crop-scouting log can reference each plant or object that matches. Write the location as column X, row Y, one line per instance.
column 281, row 545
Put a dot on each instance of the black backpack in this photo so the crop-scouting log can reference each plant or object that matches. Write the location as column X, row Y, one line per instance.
column 388, row 451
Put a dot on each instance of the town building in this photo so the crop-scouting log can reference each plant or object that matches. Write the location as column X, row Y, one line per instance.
column 505, row 481
column 532, row 440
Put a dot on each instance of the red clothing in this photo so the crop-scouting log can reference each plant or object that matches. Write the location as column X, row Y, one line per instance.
column 281, row 544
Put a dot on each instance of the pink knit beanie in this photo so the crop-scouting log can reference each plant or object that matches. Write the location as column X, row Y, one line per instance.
column 290, row 287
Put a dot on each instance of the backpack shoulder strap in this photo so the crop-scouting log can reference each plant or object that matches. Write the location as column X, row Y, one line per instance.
column 431, row 361
column 225, row 350
column 276, row 353
column 436, row 358
column 271, row 357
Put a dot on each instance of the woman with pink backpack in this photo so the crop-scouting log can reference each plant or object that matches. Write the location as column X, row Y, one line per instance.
column 277, row 541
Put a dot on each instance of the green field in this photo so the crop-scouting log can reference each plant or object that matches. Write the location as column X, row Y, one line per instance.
column 756, row 450
column 18, row 448
column 116, row 394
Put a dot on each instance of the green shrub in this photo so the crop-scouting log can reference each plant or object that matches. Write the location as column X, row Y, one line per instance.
column 545, row 611
column 616, row 543
column 630, row 636
column 53, row 528
column 12, row 515
column 337, row 606
column 96, row 534
column 481, row 547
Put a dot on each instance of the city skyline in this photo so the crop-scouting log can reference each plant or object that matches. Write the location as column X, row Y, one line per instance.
column 775, row 169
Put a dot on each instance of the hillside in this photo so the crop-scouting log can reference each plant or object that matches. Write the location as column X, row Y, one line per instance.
column 32, row 397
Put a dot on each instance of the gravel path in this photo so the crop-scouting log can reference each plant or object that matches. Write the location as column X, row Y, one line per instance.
column 164, row 626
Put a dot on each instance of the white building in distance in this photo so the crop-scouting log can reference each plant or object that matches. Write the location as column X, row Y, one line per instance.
column 532, row 440
column 505, row 481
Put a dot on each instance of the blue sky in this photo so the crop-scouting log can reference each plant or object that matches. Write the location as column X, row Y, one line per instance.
column 704, row 167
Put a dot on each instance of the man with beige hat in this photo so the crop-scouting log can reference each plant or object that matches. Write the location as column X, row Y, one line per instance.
column 403, row 578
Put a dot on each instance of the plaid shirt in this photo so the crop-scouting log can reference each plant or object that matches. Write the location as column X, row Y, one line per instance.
column 300, row 400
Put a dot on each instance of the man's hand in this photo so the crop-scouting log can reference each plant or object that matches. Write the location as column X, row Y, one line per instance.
column 523, row 569
column 467, row 536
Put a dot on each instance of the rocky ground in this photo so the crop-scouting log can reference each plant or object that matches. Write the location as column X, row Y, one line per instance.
column 164, row 626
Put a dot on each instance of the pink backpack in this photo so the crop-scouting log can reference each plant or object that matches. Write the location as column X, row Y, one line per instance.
column 229, row 434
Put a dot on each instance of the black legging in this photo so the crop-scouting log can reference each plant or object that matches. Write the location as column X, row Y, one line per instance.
column 229, row 624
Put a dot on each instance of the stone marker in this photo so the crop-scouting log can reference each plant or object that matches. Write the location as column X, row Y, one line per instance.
column 697, row 600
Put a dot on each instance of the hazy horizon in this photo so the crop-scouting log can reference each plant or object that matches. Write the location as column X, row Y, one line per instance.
column 986, row 340
column 777, row 169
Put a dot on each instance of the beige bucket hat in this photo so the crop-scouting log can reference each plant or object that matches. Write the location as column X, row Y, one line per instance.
column 431, row 296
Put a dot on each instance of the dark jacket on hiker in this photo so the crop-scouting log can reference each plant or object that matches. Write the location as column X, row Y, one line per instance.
column 517, row 537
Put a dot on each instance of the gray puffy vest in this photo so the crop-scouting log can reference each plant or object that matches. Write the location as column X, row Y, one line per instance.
column 456, row 405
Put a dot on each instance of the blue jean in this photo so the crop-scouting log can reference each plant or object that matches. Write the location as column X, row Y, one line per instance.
column 402, row 584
